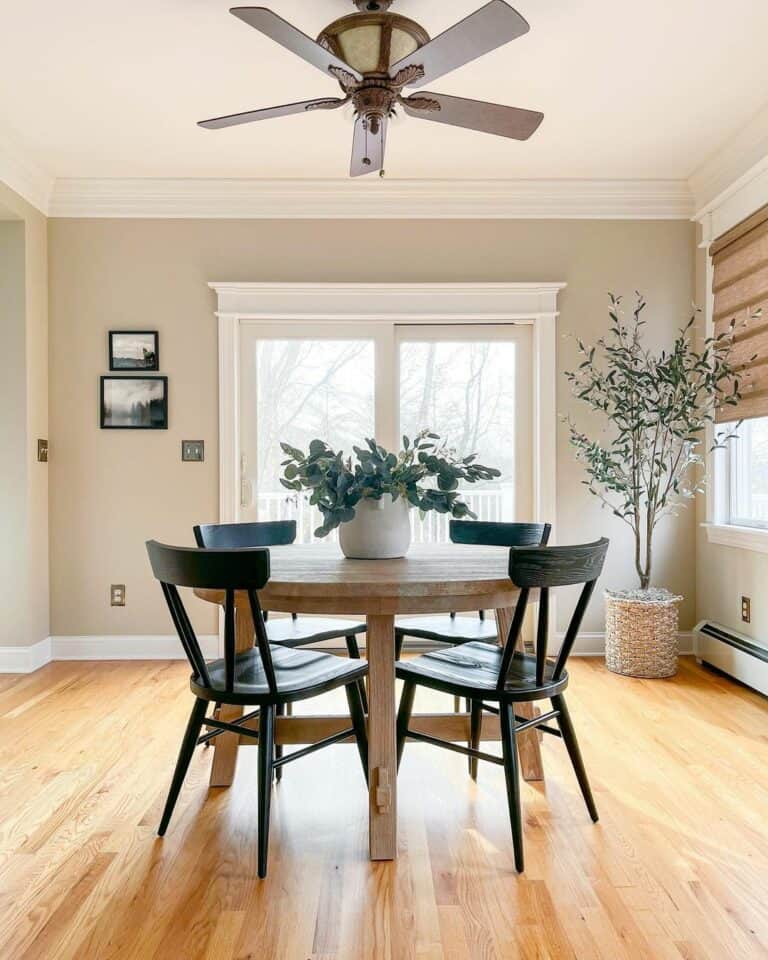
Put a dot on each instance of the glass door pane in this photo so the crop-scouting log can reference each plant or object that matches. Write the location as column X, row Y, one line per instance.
column 299, row 382
column 472, row 386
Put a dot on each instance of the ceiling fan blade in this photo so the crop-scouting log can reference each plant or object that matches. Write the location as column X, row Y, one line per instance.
column 482, row 31
column 233, row 119
column 368, row 148
column 474, row 114
column 291, row 38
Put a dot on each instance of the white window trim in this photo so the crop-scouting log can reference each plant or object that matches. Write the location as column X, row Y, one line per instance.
column 422, row 303
column 732, row 206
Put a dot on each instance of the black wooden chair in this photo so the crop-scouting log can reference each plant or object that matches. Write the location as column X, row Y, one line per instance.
column 268, row 676
column 448, row 628
column 298, row 631
column 505, row 676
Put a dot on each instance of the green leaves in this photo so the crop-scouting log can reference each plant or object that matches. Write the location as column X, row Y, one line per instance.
column 336, row 485
column 657, row 407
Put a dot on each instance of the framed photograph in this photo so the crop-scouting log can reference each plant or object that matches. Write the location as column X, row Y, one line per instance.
column 134, row 350
column 134, row 403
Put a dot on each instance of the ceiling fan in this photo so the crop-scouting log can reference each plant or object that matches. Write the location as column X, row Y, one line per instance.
column 374, row 55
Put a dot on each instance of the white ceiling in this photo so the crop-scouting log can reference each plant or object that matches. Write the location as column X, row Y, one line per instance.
column 630, row 90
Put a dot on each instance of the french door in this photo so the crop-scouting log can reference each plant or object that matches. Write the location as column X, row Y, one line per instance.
column 345, row 381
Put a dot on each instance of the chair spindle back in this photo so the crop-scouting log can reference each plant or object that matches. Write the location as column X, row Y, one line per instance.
column 493, row 534
column 243, row 569
column 267, row 533
column 546, row 568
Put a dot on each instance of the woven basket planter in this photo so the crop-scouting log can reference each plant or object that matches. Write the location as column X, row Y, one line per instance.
column 641, row 633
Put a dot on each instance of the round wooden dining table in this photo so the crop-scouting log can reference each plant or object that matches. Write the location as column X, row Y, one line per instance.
column 432, row 578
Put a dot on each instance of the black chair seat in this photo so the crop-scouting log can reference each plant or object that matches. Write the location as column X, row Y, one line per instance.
column 299, row 674
column 472, row 670
column 303, row 630
column 448, row 629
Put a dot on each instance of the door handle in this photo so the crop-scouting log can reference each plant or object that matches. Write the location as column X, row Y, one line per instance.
column 246, row 488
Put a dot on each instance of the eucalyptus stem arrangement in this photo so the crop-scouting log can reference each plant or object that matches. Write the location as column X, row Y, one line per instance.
column 648, row 462
column 426, row 474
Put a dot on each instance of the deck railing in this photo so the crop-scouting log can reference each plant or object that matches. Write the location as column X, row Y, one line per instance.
column 497, row 504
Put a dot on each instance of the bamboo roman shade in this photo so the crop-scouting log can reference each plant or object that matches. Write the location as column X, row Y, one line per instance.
column 740, row 286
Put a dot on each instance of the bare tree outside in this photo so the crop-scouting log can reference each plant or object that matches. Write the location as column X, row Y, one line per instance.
column 749, row 480
column 466, row 393
column 307, row 389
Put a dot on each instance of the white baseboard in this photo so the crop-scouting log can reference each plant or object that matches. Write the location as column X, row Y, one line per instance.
column 25, row 659
column 163, row 647
column 593, row 644
column 167, row 647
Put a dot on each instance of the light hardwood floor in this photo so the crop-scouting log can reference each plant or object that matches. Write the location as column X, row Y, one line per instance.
column 677, row 868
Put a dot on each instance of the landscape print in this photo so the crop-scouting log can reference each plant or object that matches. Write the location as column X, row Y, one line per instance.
column 134, row 403
column 133, row 350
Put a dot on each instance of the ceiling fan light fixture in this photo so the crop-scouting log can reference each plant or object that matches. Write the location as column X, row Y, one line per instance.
column 371, row 42
column 374, row 55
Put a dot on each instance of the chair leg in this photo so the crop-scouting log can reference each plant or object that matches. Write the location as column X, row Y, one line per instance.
column 399, row 640
column 354, row 654
column 512, row 773
column 404, row 717
column 572, row 746
column 475, row 724
column 279, row 712
column 357, row 713
column 188, row 745
column 266, row 755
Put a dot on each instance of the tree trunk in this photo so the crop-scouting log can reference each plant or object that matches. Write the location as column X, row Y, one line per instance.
column 643, row 571
column 638, row 565
column 645, row 580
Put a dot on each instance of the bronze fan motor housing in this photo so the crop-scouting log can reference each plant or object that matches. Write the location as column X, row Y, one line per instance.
column 372, row 41
column 375, row 54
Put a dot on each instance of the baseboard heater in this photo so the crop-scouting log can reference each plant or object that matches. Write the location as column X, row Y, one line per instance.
column 735, row 654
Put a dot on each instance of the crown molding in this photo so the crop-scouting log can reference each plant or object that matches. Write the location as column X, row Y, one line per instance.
column 380, row 199
column 23, row 175
column 742, row 158
column 733, row 183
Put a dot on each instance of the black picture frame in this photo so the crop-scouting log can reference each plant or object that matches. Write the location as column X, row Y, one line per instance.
column 155, row 417
column 127, row 364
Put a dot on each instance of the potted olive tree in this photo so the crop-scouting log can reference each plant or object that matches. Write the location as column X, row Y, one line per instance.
column 369, row 498
column 647, row 463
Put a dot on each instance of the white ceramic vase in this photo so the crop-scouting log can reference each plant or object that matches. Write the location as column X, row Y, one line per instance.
column 381, row 530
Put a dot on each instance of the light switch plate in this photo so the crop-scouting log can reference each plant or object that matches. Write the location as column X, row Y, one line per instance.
column 193, row 451
column 42, row 451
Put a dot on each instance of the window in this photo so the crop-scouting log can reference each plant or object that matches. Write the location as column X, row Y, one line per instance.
column 746, row 475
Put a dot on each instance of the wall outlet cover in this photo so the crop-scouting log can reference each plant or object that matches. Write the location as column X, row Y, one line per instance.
column 746, row 609
column 117, row 594
column 193, row 451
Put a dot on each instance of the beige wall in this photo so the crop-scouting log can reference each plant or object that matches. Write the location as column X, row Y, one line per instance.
column 23, row 418
column 112, row 490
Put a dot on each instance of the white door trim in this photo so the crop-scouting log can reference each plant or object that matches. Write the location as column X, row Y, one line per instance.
column 531, row 303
